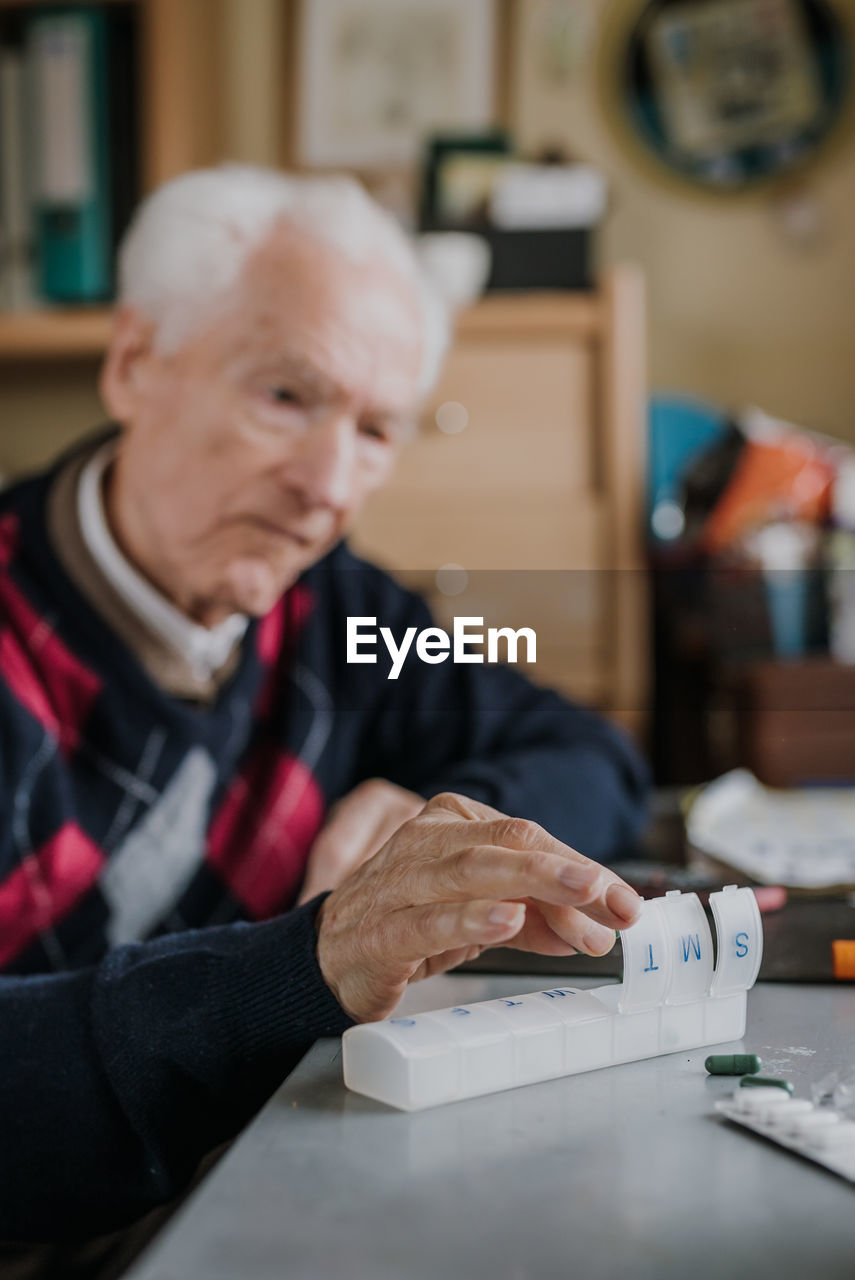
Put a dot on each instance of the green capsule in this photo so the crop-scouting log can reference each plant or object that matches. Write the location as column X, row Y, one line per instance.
column 766, row 1081
column 733, row 1064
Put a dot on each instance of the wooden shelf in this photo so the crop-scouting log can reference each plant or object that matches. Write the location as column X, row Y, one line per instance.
column 72, row 334
column 82, row 333
column 573, row 314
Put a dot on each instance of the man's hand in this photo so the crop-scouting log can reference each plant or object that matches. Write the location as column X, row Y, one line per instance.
column 457, row 878
column 357, row 827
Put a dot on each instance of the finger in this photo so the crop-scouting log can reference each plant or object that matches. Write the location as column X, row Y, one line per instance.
column 612, row 901
column 444, row 961
column 618, row 906
column 518, row 833
column 450, row 803
column 601, row 894
column 499, row 828
column 490, row 871
column 537, row 936
column 575, row 929
column 410, row 936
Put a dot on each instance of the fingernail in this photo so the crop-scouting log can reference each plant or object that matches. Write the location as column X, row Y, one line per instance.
column 623, row 901
column 578, row 875
column 504, row 913
column 597, row 939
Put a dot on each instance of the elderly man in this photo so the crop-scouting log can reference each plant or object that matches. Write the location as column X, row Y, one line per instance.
column 220, row 841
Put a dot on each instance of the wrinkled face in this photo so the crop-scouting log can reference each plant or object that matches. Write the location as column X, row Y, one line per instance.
column 248, row 452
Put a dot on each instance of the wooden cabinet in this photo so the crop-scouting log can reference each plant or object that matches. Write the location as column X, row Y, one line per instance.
column 527, row 473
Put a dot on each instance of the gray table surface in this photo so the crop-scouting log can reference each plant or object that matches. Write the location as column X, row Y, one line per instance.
column 623, row 1172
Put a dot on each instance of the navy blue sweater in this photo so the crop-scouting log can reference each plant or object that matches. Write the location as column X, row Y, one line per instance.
column 158, row 981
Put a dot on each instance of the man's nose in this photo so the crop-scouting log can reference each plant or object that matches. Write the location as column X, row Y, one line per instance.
column 322, row 466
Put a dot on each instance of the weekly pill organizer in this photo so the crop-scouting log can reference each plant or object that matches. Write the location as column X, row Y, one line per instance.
column 678, row 992
column 817, row 1133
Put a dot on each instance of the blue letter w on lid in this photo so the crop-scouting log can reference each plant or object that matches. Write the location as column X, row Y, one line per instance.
column 691, row 943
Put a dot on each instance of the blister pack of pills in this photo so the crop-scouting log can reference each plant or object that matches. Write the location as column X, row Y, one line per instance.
column 820, row 1134
column 678, row 992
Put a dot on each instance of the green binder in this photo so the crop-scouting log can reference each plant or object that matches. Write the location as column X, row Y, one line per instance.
column 69, row 85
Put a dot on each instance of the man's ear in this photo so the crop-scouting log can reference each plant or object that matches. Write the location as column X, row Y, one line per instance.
column 127, row 365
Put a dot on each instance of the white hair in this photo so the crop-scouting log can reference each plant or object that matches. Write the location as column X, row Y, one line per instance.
column 189, row 240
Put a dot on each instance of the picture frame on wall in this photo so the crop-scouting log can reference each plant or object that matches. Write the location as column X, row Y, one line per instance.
column 785, row 97
column 379, row 77
column 772, row 93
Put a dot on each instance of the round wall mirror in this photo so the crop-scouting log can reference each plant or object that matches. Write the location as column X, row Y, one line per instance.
column 728, row 94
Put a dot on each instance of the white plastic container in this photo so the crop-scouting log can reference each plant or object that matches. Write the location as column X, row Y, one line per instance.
column 671, row 998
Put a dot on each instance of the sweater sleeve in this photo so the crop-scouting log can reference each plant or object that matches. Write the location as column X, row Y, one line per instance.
column 125, row 1075
column 488, row 732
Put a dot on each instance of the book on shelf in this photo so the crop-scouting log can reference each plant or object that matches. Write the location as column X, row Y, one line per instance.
column 17, row 290
column 69, row 172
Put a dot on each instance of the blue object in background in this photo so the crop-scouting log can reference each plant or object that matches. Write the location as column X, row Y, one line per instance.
column 787, row 601
column 679, row 428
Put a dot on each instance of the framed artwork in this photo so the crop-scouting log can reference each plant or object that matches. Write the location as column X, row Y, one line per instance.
column 729, row 95
column 736, row 74
column 376, row 78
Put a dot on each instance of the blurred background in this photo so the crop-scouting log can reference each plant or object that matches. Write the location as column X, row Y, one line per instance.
column 642, row 213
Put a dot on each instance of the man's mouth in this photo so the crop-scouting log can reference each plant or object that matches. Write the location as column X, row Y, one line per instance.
column 301, row 538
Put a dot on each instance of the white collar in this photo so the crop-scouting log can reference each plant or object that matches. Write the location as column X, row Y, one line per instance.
column 206, row 649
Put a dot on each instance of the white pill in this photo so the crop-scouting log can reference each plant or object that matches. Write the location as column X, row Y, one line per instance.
column 802, row 1126
column 833, row 1135
column 750, row 1101
column 781, row 1116
column 773, row 1111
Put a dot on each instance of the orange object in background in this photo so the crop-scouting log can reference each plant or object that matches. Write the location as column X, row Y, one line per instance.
column 783, row 478
column 843, row 958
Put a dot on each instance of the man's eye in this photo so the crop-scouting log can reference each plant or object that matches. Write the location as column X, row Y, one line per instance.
column 374, row 431
column 285, row 395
